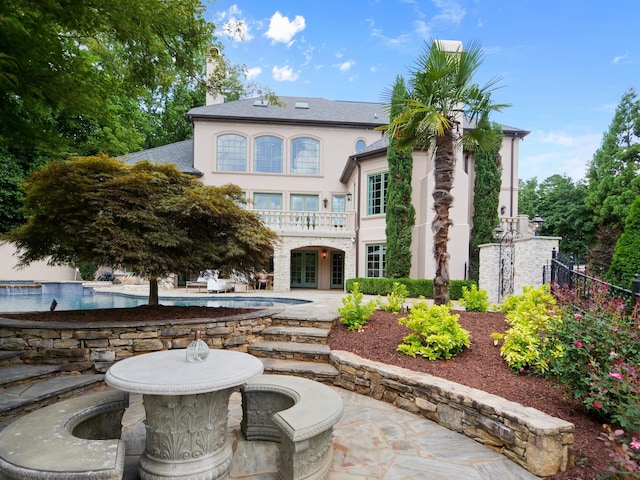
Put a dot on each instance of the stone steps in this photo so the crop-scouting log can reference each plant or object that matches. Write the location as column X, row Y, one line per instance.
column 18, row 374
column 296, row 334
column 15, row 400
column 321, row 372
column 291, row 351
column 302, row 318
column 7, row 357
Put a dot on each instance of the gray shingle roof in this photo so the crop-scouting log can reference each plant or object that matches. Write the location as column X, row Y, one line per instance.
column 179, row 154
column 297, row 110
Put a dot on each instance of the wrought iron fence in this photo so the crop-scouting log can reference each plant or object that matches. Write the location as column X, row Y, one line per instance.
column 566, row 273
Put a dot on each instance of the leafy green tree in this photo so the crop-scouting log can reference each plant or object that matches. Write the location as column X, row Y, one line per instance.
column 486, row 196
column 151, row 220
column 561, row 203
column 441, row 92
column 528, row 197
column 71, row 59
column 613, row 180
column 401, row 213
column 626, row 257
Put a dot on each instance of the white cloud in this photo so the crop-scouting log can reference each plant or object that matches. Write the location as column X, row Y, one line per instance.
column 619, row 58
column 282, row 30
column 450, row 11
column 549, row 153
column 345, row 66
column 284, row 74
column 253, row 72
column 233, row 25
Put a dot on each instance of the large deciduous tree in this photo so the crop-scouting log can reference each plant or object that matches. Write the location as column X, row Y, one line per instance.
column 73, row 76
column 400, row 212
column 442, row 92
column 151, row 220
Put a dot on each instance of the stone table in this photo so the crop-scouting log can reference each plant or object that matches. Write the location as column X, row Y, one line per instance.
column 186, row 406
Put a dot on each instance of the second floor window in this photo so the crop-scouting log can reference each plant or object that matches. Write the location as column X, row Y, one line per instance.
column 305, row 156
column 304, row 203
column 268, row 154
column 377, row 193
column 231, row 153
column 267, row 201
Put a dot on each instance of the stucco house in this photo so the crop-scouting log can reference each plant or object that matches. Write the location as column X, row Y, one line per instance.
column 316, row 170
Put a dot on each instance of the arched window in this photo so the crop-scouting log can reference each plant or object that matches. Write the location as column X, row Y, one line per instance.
column 268, row 154
column 231, row 153
column 305, row 156
column 360, row 144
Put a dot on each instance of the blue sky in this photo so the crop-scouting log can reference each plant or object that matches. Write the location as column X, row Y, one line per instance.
column 564, row 64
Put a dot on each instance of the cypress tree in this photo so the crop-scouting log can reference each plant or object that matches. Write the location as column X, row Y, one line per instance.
column 400, row 213
column 487, row 183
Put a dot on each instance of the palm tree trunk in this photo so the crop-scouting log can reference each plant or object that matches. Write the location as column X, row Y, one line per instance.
column 445, row 162
column 153, row 291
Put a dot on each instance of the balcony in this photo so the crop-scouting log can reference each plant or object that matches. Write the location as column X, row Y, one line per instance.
column 287, row 221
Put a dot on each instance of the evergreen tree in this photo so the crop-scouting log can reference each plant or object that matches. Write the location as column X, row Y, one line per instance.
column 400, row 213
column 626, row 257
column 487, row 184
column 613, row 181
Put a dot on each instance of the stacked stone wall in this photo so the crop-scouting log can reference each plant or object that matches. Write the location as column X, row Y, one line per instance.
column 540, row 443
column 96, row 346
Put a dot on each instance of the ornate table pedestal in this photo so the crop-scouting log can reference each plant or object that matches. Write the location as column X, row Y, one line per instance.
column 187, row 407
column 186, row 436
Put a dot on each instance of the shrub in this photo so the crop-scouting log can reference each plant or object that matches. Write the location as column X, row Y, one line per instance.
column 437, row 333
column 601, row 351
column 395, row 299
column 474, row 300
column 599, row 365
column 354, row 314
column 416, row 288
column 526, row 343
column 624, row 452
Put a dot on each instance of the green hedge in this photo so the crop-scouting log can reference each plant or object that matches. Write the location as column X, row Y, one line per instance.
column 416, row 288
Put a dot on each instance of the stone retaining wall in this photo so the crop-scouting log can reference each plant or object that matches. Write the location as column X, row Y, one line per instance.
column 96, row 346
column 539, row 442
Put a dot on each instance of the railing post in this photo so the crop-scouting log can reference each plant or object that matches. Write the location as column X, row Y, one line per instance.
column 554, row 254
column 635, row 288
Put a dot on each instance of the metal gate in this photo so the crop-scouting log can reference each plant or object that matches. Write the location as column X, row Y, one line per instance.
column 506, row 259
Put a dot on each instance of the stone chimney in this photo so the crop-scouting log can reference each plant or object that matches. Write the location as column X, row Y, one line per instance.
column 214, row 60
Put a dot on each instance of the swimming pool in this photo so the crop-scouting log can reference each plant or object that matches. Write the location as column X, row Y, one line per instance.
column 41, row 302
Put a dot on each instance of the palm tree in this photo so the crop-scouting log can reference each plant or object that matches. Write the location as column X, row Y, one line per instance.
column 441, row 93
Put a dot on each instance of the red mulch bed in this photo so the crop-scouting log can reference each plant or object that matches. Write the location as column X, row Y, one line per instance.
column 481, row 367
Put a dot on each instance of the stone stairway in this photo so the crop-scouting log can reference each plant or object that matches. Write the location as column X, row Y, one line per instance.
column 296, row 344
column 26, row 387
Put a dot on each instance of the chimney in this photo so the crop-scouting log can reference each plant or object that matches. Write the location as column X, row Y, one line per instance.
column 452, row 46
column 214, row 60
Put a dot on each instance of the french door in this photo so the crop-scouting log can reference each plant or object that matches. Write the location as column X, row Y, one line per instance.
column 304, row 270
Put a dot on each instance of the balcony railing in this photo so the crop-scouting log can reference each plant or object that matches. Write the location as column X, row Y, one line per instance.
column 318, row 222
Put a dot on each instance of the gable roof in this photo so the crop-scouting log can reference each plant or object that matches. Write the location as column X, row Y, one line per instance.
column 296, row 110
column 179, row 154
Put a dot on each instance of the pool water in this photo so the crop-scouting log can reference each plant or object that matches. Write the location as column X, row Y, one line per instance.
column 42, row 302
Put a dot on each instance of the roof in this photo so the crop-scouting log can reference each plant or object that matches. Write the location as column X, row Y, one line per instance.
column 379, row 147
column 297, row 110
column 179, row 154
